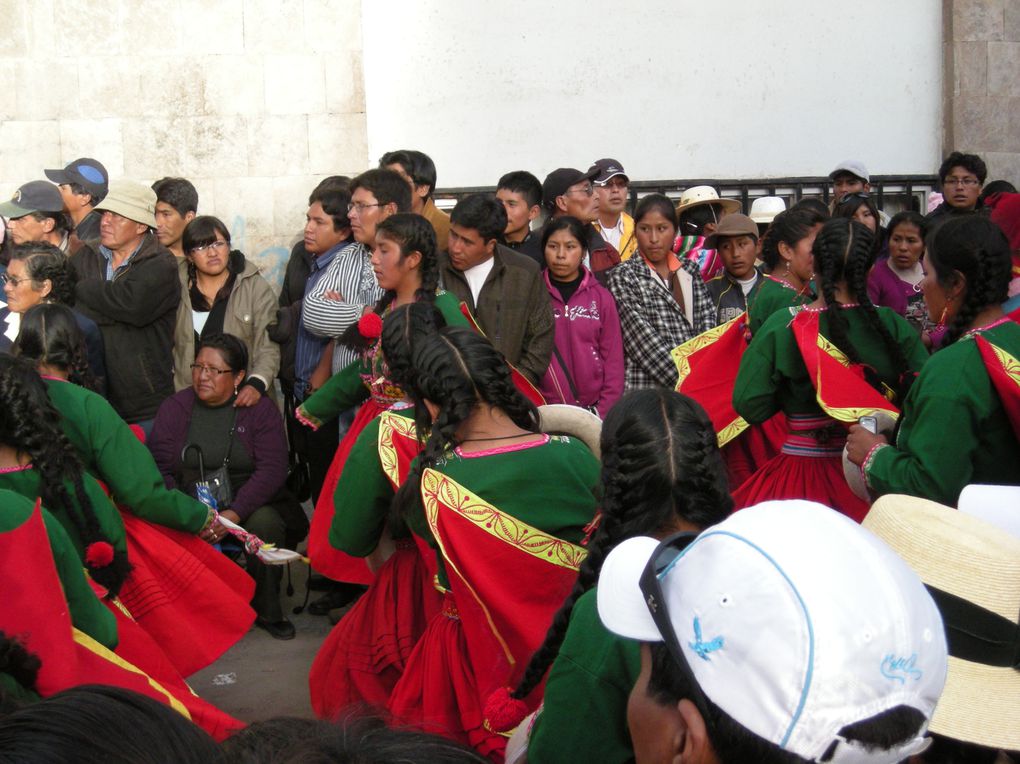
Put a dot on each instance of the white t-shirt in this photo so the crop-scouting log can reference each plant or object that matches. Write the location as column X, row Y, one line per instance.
column 476, row 276
column 613, row 235
column 747, row 286
column 198, row 319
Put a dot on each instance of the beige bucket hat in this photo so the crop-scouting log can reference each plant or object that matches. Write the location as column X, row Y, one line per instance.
column 972, row 570
column 561, row 419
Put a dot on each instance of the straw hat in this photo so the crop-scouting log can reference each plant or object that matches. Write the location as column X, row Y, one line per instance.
column 697, row 195
column 977, row 563
column 561, row 419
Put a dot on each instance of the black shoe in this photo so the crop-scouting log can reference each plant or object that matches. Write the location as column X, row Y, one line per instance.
column 321, row 584
column 342, row 595
column 282, row 629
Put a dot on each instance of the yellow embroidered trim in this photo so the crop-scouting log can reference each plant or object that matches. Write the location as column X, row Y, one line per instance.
column 90, row 644
column 1010, row 365
column 681, row 355
column 391, row 424
column 845, row 414
column 732, row 430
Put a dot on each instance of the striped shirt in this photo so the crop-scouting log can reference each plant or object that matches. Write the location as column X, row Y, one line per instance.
column 308, row 347
column 350, row 274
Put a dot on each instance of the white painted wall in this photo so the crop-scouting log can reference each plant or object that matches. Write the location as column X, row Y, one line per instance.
column 671, row 88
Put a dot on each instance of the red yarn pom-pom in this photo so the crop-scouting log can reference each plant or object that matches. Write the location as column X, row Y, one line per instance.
column 98, row 554
column 370, row 326
column 502, row 712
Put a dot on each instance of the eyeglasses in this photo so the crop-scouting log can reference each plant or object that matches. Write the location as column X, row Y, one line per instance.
column 968, row 182
column 587, row 190
column 662, row 561
column 213, row 245
column 209, row 371
column 359, row 207
column 12, row 280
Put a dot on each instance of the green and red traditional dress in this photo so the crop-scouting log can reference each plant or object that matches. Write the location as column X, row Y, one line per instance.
column 790, row 366
column 960, row 422
column 774, row 295
column 506, row 524
column 366, row 653
column 37, row 612
column 363, row 383
column 192, row 599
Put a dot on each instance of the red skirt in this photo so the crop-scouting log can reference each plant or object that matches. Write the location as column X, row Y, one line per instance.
column 438, row 692
column 188, row 596
column 751, row 449
column 326, row 560
column 808, row 467
column 366, row 653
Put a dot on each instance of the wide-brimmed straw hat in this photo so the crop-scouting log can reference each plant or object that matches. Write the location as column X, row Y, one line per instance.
column 972, row 569
column 561, row 419
column 698, row 195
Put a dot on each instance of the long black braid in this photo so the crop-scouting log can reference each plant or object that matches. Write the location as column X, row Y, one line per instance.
column 660, row 463
column 402, row 329
column 30, row 424
column 456, row 369
column 844, row 252
column 20, row 664
column 976, row 249
column 49, row 334
column 412, row 233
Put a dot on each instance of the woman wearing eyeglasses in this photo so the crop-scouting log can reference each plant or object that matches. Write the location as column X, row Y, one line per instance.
column 222, row 292
column 249, row 441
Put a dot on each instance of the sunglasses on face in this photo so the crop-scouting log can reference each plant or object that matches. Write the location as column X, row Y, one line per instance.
column 854, row 195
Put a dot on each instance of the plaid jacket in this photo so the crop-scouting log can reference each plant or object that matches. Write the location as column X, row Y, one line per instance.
column 652, row 321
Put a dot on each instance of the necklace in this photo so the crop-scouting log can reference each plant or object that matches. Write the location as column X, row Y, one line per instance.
column 499, row 437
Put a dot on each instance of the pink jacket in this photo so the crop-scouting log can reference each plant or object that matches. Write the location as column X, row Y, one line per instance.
column 589, row 341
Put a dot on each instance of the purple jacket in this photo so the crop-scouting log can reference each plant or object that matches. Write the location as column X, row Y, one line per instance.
column 259, row 429
column 589, row 340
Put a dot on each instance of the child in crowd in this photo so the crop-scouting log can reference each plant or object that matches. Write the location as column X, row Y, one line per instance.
column 587, row 364
column 736, row 241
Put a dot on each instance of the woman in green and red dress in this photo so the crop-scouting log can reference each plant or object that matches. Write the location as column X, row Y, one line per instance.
column 365, row 653
column 961, row 420
column 505, row 508
column 823, row 365
column 405, row 265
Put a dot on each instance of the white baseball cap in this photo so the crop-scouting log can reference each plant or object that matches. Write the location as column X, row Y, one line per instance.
column 765, row 208
column 794, row 620
column 853, row 166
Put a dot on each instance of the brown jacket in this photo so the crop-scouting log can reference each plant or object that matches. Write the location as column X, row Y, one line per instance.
column 513, row 309
column 440, row 223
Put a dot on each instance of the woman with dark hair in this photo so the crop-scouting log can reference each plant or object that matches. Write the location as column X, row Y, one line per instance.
column 203, row 429
column 587, row 364
column 507, row 548
column 789, row 266
column 162, row 524
column 41, row 273
column 365, row 654
column 837, row 356
column 405, row 266
column 895, row 281
column 961, row 420
column 662, row 301
column 661, row 473
column 860, row 207
column 222, row 292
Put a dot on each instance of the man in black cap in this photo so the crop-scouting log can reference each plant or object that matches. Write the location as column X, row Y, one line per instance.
column 83, row 184
column 615, row 225
column 36, row 213
column 567, row 191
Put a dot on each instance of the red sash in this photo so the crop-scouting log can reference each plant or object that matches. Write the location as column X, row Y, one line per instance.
column 707, row 370
column 509, row 578
column 521, row 382
column 398, row 446
column 1004, row 371
column 839, row 385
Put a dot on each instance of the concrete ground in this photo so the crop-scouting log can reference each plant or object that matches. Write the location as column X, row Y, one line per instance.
column 261, row 677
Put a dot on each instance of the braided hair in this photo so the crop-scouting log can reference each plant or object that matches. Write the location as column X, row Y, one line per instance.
column 44, row 261
column 412, row 233
column 404, row 328
column 787, row 227
column 21, row 665
column 975, row 249
column 456, row 369
column 844, row 252
column 660, row 464
column 49, row 334
column 30, row 424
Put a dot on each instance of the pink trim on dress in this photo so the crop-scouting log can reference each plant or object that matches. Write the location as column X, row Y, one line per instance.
column 55, row 379
column 502, row 449
column 19, row 468
column 314, row 424
column 1000, row 322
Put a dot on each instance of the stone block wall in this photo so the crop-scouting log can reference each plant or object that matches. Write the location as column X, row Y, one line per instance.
column 254, row 101
column 982, row 83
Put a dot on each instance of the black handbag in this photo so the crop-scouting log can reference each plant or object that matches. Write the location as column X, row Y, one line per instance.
column 214, row 486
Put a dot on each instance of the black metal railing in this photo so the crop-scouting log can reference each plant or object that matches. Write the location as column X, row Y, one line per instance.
column 892, row 193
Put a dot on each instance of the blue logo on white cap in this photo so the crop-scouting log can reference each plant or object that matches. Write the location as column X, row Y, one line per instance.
column 901, row 668
column 701, row 647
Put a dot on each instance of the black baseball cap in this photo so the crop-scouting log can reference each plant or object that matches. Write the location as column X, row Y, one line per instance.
column 608, row 168
column 558, row 181
column 34, row 196
column 87, row 173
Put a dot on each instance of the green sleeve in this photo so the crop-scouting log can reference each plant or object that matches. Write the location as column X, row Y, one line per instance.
column 584, row 712
column 908, row 338
column 362, row 497
column 88, row 614
column 756, row 389
column 342, row 391
column 449, row 306
column 123, row 462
